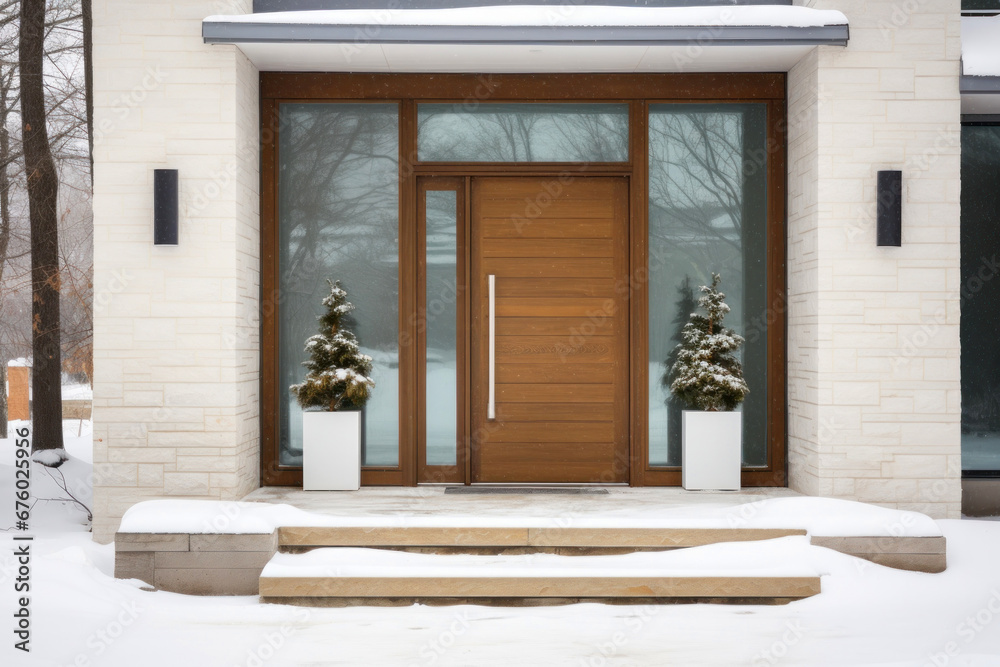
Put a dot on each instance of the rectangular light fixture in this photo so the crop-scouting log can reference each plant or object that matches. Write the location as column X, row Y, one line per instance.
column 890, row 208
column 165, row 207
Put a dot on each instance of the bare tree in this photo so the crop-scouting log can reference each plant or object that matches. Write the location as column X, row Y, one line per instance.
column 43, row 193
column 8, row 102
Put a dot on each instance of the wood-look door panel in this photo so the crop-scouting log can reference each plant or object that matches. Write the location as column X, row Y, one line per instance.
column 557, row 287
column 567, row 228
column 558, row 255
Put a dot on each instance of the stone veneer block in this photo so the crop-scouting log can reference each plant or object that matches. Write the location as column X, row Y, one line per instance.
column 215, row 542
column 213, row 581
column 209, row 560
column 887, row 545
column 917, row 554
column 151, row 542
column 135, row 565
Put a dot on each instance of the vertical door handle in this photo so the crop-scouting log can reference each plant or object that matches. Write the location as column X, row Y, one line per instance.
column 491, row 408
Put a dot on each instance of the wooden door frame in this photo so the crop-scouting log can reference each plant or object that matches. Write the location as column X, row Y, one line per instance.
column 637, row 90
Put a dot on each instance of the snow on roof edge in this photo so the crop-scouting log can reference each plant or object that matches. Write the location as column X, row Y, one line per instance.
column 555, row 16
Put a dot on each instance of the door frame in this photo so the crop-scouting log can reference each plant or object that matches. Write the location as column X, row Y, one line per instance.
column 638, row 91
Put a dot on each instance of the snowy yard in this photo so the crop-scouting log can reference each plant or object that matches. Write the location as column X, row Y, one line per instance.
column 866, row 615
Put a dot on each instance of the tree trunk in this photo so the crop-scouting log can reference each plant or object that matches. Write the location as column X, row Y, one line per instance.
column 43, row 191
column 5, row 83
column 86, row 11
column 3, row 397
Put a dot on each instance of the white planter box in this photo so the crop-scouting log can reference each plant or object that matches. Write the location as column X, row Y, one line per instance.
column 331, row 451
column 712, row 450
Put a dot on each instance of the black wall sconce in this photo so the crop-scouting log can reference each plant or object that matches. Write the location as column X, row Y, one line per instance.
column 890, row 208
column 164, row 207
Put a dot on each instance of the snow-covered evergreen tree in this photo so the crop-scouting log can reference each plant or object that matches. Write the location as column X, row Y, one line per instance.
column 706, row 374
column 338, row 371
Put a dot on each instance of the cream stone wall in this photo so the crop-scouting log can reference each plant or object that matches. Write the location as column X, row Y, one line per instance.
column 175, row 328
column 873, row 337
column 873, row 374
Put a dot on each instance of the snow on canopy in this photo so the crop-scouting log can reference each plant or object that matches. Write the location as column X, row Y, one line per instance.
column 555, row 16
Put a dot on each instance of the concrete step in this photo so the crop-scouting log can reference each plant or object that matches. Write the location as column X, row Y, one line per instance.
column 472, row 539
column 761, row 572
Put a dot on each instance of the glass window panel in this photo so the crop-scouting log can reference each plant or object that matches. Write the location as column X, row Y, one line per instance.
column 980, row 298
column 522, row 132
column 441, row 327
column 338, row 219
column 707, row 213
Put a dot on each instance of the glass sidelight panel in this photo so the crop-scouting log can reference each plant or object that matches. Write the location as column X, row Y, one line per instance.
column 980, row 298
column 522, row 132
column 338, row 219
column 441, row 321
column 707, row 213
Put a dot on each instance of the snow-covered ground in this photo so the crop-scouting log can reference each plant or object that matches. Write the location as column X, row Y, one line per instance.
column 866, row 614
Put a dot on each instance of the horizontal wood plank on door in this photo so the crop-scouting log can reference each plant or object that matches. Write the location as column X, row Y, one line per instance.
column 563, row 228
column 556, row 412
column 554, row 393
column 555, row 349
column 557, row 373
column 549, row 267
column 593, row 310
column 543, row 188
column 554, row 326
column 549, row 248
column 523, row 210
column 556, row 287
column 569, row 462
column 540, row 432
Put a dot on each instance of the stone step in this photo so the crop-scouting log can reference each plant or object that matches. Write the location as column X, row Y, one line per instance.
column 541, row 538
column 758, row 572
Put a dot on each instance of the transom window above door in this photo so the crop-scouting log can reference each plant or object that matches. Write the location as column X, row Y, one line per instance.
column 533, row 132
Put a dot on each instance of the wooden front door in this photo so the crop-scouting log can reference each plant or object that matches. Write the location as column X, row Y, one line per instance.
column 557, row 251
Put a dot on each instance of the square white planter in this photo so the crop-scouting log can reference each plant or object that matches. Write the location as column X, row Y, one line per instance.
column 712, row 450
column 331, row 451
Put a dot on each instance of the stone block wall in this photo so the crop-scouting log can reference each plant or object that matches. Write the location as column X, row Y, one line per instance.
column 175, row 334
column 873, row 338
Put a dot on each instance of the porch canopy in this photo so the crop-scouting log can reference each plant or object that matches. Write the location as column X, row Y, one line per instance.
column 544, row 36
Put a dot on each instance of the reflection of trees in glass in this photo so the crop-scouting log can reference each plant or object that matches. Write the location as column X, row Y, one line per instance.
column 696, row 199
column 442, row 272
column 523, row 132
column 338, row 216
column 707, row 213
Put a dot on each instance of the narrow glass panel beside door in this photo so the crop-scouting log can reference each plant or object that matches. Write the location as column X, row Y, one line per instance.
column 338, row 203
column 441, row 315
column 707, row 214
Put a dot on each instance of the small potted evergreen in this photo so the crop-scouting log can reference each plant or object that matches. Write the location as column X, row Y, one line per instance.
column 707, row 377
column 336, row 388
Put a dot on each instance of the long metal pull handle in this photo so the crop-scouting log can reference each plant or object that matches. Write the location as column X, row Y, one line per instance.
column 491, row 408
